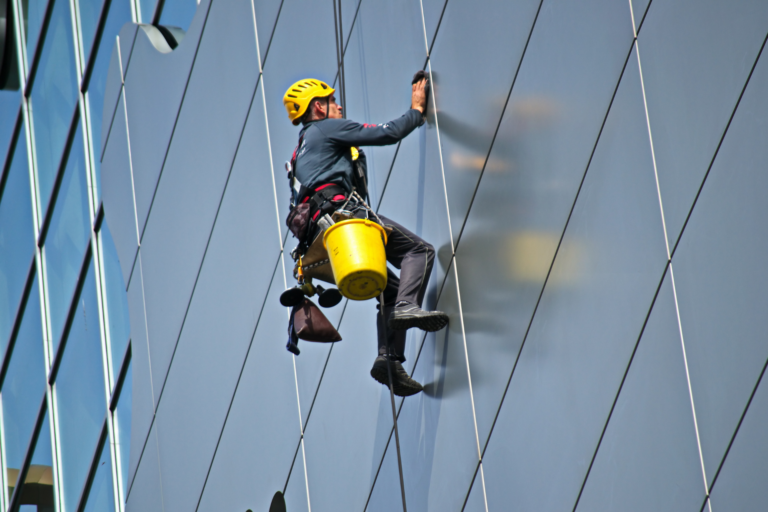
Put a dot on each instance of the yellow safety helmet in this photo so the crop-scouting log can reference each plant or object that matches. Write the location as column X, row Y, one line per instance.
column 298, row 96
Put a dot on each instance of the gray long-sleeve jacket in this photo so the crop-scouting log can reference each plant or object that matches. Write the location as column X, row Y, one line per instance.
column 324, row 154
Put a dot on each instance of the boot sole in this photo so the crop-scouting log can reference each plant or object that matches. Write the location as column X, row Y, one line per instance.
column 381, row 376
column 430, row 323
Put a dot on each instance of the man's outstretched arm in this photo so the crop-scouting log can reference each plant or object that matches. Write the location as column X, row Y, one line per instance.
column 346, row 132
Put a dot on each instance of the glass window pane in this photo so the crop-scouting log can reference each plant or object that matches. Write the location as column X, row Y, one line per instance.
column 34, row 11
column 178, row 13
column 80, row 394
column 147, row 10
column 101, row 497
column 37, row 493
column 17, row 237
column 89, row 18
column 67, row 238
column 117, row 300
column 119, row 15
column 9, row 106
column 123, row 416
column 23, row 387
column 54, row 95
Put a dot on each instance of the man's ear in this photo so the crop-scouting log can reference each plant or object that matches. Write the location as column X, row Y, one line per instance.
column 319, row 109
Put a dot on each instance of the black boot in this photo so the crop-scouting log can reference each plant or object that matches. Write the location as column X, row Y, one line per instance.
column 403, row 384
column 406, row 315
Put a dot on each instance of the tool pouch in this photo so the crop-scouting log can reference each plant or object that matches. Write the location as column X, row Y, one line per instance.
column 298, row 220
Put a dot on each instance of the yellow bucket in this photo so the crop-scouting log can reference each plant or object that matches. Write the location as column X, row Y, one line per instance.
column 356, row 250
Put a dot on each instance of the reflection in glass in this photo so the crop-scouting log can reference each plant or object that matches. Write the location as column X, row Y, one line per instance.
column 53, row 99
column 80, row 398
column 117, row 300
column 147, row 10
column 37, row 493
column 9, row 106
column 23, row 387
column 67, row 238
column 178, row 13
column 16, row 237
column 101, row 496
column 89, row 18
column 34, row 11
column 119, row 15
column 123, row 416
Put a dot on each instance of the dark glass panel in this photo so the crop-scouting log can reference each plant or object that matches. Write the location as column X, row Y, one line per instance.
column 344, row 445
column 378, row 76
column 171, row 261
column 651, row 435
column 248, row 469
column 598, row 294
column 153, row 116
column 221, row 318
column 721, row 279
column 544, row 144
column 695, row 64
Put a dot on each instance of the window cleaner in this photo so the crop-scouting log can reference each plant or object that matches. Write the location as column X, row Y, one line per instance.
column 328, row 181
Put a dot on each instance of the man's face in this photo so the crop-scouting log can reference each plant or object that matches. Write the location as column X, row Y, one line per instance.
column 334, row 109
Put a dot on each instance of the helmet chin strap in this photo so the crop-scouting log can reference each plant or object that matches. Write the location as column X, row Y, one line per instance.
column 327, row 106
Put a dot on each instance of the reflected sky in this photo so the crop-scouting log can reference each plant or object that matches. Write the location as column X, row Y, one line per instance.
column 53, row 99
column 178, row 13
column 79, row 388
column 101, row 497
column 24, row 384
column 67, row 237
column 17, row 237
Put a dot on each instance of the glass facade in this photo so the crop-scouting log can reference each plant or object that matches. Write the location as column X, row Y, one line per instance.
column 65, row 379
column 590, row 176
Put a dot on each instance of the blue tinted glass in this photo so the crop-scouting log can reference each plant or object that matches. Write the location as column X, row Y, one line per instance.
column 17, row 237
column 147, row 10
column 79, row 387
column 54, row 95
column 178, row 13
column 40, row 472
column 119, row 15
column 117, row 300
column 23, row 387
column 101, row 497
column 67, row 237
column 123, row 414
column 89, row 18
column 9, row 106
column 34, row 11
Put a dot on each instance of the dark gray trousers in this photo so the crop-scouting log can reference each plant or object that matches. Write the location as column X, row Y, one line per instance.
column 414, row 257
